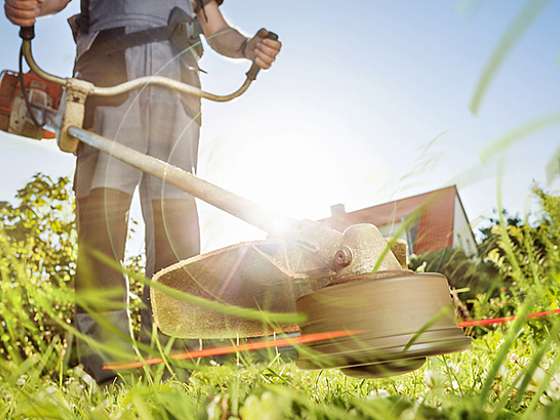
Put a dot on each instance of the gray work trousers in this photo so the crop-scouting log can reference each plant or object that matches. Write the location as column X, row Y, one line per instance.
column 155, row 122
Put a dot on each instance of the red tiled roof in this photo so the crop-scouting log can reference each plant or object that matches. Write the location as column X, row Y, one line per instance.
column 435, row 224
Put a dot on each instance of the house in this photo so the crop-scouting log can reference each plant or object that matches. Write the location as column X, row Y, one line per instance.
column 431, row 221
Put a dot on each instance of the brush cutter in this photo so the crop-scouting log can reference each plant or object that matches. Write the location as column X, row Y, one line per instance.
column 339, row 281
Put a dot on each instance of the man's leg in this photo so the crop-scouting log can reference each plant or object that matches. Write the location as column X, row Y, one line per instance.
column 172, row 235
column 171, row 218
column 101, row 287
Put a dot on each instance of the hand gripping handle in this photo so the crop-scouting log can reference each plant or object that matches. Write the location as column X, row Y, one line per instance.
column 255, row 69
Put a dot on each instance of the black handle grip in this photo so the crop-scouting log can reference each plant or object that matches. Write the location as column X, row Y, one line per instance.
column 27, row 33
column 255, row 69
column 273, row 36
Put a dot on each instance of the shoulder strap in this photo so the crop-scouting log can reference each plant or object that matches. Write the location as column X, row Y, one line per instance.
column 84, row 16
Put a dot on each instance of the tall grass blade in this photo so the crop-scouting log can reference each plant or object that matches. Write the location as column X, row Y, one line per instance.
column 509, row 39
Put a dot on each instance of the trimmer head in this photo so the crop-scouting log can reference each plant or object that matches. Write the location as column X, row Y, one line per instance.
column 385, row 369
column 264, row 275
column 397, row 317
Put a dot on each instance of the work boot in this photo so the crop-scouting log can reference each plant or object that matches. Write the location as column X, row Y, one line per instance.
column 110, row 329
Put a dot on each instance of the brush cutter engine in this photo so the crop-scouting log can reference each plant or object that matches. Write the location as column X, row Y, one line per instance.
column 349, row 281
column 27, row 104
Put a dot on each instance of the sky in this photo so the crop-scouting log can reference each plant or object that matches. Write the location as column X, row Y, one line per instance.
column 368, row 102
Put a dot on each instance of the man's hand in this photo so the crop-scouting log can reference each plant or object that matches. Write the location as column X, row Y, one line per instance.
column 261, row 50
column 23, row 12
column 229, row 42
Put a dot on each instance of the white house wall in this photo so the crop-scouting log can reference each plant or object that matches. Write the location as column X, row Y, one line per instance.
column 462, row 233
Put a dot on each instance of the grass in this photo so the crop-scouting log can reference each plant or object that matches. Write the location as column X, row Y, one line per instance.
column 511, row 371
column 447, row 387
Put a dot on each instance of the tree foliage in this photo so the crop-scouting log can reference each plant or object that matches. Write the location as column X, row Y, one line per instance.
column 37, row 264
column 517, row 256
column 525, row 252
column 38, row 252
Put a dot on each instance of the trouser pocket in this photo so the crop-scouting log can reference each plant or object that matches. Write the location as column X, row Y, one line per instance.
column 103, row 70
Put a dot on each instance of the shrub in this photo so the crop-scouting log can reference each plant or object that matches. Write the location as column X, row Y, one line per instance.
column 37, row 266
column 526, row 255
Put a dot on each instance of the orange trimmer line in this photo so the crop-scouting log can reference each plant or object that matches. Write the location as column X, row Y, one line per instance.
column 303, row 339
column 504, row 320
column 221, row 351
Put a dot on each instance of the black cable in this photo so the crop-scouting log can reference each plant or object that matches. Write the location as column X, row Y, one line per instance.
column 24, row 92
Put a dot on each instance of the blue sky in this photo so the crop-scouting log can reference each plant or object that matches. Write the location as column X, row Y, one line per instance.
column 368, row 102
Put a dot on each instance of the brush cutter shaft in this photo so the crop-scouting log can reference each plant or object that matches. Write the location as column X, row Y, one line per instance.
column 321, row 240
column 233, row 204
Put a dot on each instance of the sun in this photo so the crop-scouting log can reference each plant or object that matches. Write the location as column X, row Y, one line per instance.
column 284, row 175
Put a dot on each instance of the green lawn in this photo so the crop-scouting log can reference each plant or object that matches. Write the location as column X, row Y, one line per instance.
column 510, row 371
column 447, row 387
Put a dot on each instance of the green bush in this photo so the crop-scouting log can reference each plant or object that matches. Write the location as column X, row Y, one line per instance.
column 526, row 255
column 37, row 266
column 515, row 256
column 38, row 251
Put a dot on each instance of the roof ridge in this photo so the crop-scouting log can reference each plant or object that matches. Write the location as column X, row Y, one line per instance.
column 453, row 186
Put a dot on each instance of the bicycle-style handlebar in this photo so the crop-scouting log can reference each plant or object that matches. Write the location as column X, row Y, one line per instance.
column 28, row 33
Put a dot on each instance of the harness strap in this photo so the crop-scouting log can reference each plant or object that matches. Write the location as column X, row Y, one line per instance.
column 182, row 30
column 83, row 20
column 110, row 45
